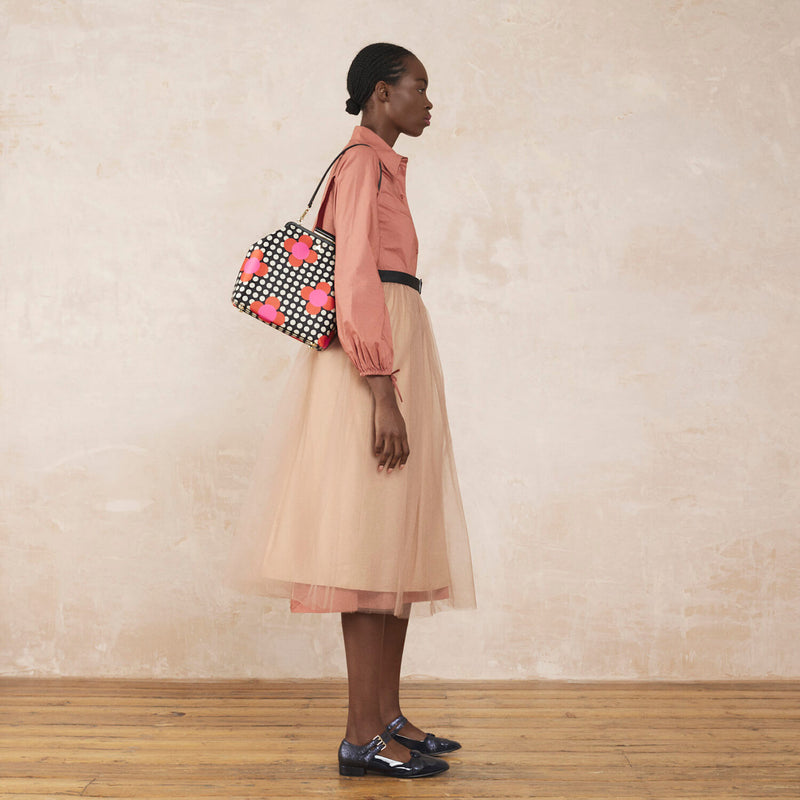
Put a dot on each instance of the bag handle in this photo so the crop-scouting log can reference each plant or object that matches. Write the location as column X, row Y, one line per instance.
column 311, row 201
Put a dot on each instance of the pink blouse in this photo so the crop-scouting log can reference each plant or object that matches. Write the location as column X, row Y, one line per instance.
column 373, row 230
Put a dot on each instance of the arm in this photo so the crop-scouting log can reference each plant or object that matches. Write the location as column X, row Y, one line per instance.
column 363, row 323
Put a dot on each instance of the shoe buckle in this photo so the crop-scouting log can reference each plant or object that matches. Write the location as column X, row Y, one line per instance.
column 377, row 743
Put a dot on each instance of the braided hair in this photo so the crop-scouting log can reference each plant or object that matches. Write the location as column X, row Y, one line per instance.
column 375, row 62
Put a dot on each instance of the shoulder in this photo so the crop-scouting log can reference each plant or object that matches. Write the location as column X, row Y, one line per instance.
column 359, row 162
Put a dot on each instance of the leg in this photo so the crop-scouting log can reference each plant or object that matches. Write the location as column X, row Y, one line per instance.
column 394, row 639
column 363, row 642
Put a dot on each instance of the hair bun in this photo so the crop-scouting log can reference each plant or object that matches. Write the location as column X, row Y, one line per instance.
column 351, row 107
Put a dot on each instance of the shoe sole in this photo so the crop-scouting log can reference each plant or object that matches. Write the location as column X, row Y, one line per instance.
column 360, row 772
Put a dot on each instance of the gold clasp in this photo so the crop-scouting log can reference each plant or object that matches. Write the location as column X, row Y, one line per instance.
column 303, row 214
column 378, row 742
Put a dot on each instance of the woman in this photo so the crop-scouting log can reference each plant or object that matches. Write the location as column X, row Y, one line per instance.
column 356, row 507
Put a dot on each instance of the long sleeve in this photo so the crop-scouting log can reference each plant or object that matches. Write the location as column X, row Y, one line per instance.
column 362, row 319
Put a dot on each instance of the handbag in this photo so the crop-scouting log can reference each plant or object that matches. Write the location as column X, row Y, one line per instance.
column 286, row 279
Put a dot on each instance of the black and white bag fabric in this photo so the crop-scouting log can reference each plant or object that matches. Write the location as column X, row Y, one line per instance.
column 286, row 279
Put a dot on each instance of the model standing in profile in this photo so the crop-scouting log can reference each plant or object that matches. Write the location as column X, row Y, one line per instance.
column 355, row 506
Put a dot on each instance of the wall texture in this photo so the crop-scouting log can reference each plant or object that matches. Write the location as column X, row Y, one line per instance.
column 607, row 207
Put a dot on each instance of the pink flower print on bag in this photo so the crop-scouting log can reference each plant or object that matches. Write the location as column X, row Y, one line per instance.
column 268, row 310
column 318, row 298
column 254, row 265
column 300, row 250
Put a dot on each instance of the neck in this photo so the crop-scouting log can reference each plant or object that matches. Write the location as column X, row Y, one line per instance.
column 385, row 129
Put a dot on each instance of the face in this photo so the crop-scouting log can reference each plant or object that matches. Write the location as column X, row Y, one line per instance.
column 407, row 103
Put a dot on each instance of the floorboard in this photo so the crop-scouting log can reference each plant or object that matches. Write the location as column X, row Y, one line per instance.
column 554, row 740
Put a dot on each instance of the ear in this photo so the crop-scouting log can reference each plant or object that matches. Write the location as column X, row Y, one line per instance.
column 381, row 91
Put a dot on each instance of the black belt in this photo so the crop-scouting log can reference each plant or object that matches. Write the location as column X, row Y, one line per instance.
column 393, row 276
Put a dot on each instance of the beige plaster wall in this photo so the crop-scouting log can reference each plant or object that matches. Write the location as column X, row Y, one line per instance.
column 607, row 207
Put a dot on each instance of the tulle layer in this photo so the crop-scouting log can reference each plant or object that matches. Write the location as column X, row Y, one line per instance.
column 320, row 525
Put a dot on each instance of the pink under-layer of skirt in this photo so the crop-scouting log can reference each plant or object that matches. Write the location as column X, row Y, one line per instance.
column 320, row 525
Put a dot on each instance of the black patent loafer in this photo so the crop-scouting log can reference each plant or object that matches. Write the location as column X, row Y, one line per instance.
column 430, row 746
column 356, row 760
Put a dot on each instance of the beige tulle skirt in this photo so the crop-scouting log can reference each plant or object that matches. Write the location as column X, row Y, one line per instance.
column 320, row 525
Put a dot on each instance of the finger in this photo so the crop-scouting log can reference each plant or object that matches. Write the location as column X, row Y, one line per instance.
column 397, row 453
column 406, row 453
column 387, row 453
column 404, row 449
column 380, row 447
column 401, row 451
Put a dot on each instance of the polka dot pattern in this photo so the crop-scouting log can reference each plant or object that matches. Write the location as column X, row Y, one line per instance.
column 277, row 278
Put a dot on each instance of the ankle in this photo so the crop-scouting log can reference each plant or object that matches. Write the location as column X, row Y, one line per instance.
column 389, row 713
column 361, row 731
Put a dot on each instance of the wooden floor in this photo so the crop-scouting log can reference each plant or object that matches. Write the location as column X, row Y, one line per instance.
column 253, row 739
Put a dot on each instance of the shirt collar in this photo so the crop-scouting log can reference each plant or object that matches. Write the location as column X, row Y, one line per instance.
column 390, row 159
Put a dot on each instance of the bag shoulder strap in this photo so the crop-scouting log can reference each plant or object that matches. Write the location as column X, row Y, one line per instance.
column 325, row 199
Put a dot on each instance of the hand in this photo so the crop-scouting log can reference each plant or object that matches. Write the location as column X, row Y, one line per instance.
column 390, row 444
